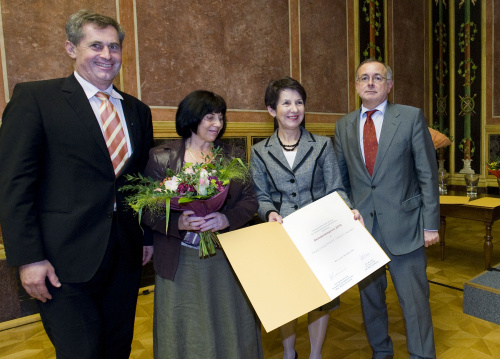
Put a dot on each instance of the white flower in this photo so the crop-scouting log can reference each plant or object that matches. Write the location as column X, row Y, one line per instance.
column 172, row 183
column 203, row 183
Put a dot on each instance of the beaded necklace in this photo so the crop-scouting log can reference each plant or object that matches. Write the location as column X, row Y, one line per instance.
column 290, row 148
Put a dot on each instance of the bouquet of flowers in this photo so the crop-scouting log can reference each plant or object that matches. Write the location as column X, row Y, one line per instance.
column 200, row 187
column 494, row 168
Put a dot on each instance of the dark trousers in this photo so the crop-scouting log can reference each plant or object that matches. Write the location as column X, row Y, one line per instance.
column 408, row 274
column 95, row 319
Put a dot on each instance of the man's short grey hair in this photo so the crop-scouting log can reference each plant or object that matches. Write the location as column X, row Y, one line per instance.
column 387, row 68
column 76, row 22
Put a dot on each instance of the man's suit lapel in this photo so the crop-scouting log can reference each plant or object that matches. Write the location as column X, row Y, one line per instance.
column 75, row 95
column 353, row 138
column 389, row 128
column 78, row 101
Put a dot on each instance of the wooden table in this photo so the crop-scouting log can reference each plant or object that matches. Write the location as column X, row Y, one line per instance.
column 487, row 215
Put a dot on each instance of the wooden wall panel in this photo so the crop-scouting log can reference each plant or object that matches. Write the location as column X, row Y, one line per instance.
column 408, row 45
column 324, row 55
column 34, row 36
column 129, row 55
column 496, row 60
column 230, row 47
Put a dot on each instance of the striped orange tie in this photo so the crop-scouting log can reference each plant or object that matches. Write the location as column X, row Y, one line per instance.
column 113, row 132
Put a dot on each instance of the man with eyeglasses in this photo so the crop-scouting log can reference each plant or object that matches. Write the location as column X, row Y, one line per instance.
column 388, row 166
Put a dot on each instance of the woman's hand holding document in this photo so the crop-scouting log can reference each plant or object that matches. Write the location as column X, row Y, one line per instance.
column 318, row 253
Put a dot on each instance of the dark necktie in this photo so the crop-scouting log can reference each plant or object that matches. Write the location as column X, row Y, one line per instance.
column 370, row 143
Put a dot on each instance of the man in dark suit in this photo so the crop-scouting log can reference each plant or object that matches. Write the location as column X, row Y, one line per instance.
column 388, row 166
column 66, row 226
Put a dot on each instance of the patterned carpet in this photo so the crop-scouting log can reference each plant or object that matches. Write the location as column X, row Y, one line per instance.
column 457, row 335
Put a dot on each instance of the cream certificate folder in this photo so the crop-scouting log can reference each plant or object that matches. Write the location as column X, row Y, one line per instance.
column 318, row 253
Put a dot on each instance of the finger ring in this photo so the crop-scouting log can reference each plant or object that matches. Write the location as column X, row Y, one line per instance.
column 189, row 224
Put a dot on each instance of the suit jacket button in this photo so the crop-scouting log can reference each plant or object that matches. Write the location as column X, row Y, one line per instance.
column 294, row 194
column 296, row 207
column 292, row 180
column 371, row 214
column 373, row 187
column 110, row 215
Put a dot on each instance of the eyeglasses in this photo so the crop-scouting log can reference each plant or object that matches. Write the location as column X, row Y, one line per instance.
column 377, row 79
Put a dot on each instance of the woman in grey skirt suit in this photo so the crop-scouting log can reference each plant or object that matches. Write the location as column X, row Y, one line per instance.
column 291, row 169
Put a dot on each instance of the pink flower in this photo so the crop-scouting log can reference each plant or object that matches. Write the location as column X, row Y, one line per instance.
column 203, row 183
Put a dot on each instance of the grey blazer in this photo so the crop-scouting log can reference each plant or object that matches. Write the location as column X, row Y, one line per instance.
column 403, row 191
column 282, row 189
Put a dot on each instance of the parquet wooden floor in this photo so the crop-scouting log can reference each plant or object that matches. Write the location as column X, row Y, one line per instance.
column 457, row 335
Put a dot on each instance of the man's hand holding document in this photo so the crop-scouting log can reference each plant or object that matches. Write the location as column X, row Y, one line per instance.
column 289, row 269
